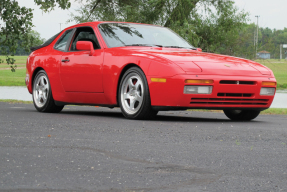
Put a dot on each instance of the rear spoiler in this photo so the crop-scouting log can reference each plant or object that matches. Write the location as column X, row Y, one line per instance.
column 37, row 47
column 48, row 42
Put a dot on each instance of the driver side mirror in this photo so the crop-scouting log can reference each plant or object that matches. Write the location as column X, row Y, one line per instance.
column 85, row 46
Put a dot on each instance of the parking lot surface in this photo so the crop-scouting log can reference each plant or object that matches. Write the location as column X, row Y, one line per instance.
column 97, row 149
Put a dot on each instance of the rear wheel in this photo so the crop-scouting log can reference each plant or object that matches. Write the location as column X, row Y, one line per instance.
column 134, row 97
column 42, row 94
column 241, row 115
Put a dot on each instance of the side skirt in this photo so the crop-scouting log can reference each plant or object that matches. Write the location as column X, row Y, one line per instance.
column 60, row 103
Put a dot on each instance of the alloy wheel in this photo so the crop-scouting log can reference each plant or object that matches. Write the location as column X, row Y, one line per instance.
column 132, row 92
column 41, row 90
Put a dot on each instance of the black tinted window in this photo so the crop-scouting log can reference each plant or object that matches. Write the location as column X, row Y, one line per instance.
column 49, row 41
column 62, row 42
column 85, row 34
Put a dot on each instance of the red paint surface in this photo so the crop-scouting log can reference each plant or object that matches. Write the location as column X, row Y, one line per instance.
column 93, row 78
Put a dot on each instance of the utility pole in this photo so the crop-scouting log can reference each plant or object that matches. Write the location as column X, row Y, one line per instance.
column 60, row 26
column 254, row 37
column 256, row 46
column 281, row 51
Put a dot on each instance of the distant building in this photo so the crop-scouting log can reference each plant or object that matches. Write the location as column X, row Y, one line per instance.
column 263, row 55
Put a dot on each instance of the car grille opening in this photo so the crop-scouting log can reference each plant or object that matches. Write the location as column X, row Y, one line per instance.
column 231, row 82
column 228, row 101
column 234, row 95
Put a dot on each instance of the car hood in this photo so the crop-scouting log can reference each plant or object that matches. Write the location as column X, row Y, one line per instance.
column 208, row 63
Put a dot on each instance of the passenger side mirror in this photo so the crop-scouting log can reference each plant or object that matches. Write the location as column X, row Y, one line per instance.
column 85, row 46
column 199, row 49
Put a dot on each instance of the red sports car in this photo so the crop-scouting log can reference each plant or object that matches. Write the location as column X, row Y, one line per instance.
column 143, row 69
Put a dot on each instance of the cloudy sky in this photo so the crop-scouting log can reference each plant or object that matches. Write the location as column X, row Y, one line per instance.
column 273, row 14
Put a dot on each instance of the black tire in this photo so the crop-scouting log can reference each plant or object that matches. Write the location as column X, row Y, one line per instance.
column 241, row 115
column 42, row 94
column 137, row 93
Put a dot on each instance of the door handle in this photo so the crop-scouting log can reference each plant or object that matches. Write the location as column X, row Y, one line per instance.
column 65, row 60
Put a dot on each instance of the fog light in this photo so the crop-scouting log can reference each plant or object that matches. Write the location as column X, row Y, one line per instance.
column 197, row 89
column 267, row 91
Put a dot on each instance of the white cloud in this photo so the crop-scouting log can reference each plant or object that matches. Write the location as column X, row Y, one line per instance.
column 48, row 24
column 273, row 14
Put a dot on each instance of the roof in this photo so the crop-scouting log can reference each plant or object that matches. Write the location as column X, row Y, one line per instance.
column 263, row 52
column 99, row 22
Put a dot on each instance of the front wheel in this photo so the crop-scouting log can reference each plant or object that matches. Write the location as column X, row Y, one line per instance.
column 241, row 115
column 134, row 97
column 42, row 94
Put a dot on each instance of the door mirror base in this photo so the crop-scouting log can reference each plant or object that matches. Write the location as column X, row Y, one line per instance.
column 199, row 49
column 85, row 46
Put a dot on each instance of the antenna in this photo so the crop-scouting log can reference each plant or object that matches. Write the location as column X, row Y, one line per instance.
column 60, row 26
column 256, row 37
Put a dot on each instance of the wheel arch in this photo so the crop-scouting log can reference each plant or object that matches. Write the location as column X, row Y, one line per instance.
column 35, row 73
column 128, row 66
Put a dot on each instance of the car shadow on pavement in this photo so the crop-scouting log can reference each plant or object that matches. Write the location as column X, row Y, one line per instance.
column 163, row 116
column 176, row 117
column 111, row 114
column 187, row 119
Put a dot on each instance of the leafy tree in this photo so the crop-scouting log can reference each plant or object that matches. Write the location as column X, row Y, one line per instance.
column 209, row 24
column 37, row 38
column 268, row 40
column 17, row 28
column 244, row 44
column 35, row 41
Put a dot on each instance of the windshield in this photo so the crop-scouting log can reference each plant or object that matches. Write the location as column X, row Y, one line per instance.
column 126, row 34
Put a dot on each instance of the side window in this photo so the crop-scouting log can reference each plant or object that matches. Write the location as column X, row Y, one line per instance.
column 85, row 34
column 62, row 42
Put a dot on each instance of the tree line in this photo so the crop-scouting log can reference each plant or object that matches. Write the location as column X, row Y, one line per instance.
column 216, row 26
column 269, row 40
column 24, row 50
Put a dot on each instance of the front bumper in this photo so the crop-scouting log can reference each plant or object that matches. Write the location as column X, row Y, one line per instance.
column 169, row 95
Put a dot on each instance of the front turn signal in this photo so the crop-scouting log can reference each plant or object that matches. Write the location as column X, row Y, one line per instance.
column 268, row 83
column 160, row 80
column 199, row 81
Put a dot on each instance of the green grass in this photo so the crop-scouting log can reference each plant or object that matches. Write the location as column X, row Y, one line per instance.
column 12, row 101
column 270, row 111
column 8, row 78
column 8, row 66
column 279, row 69
column 274, row 111
column 19, row 59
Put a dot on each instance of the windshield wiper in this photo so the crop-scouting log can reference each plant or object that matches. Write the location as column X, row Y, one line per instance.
column 180, row 47
column 145, row 45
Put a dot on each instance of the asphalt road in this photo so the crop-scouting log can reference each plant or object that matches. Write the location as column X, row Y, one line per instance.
column 97, row 149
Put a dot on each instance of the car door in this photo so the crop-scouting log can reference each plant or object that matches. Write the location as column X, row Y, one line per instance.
column 80, row 71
